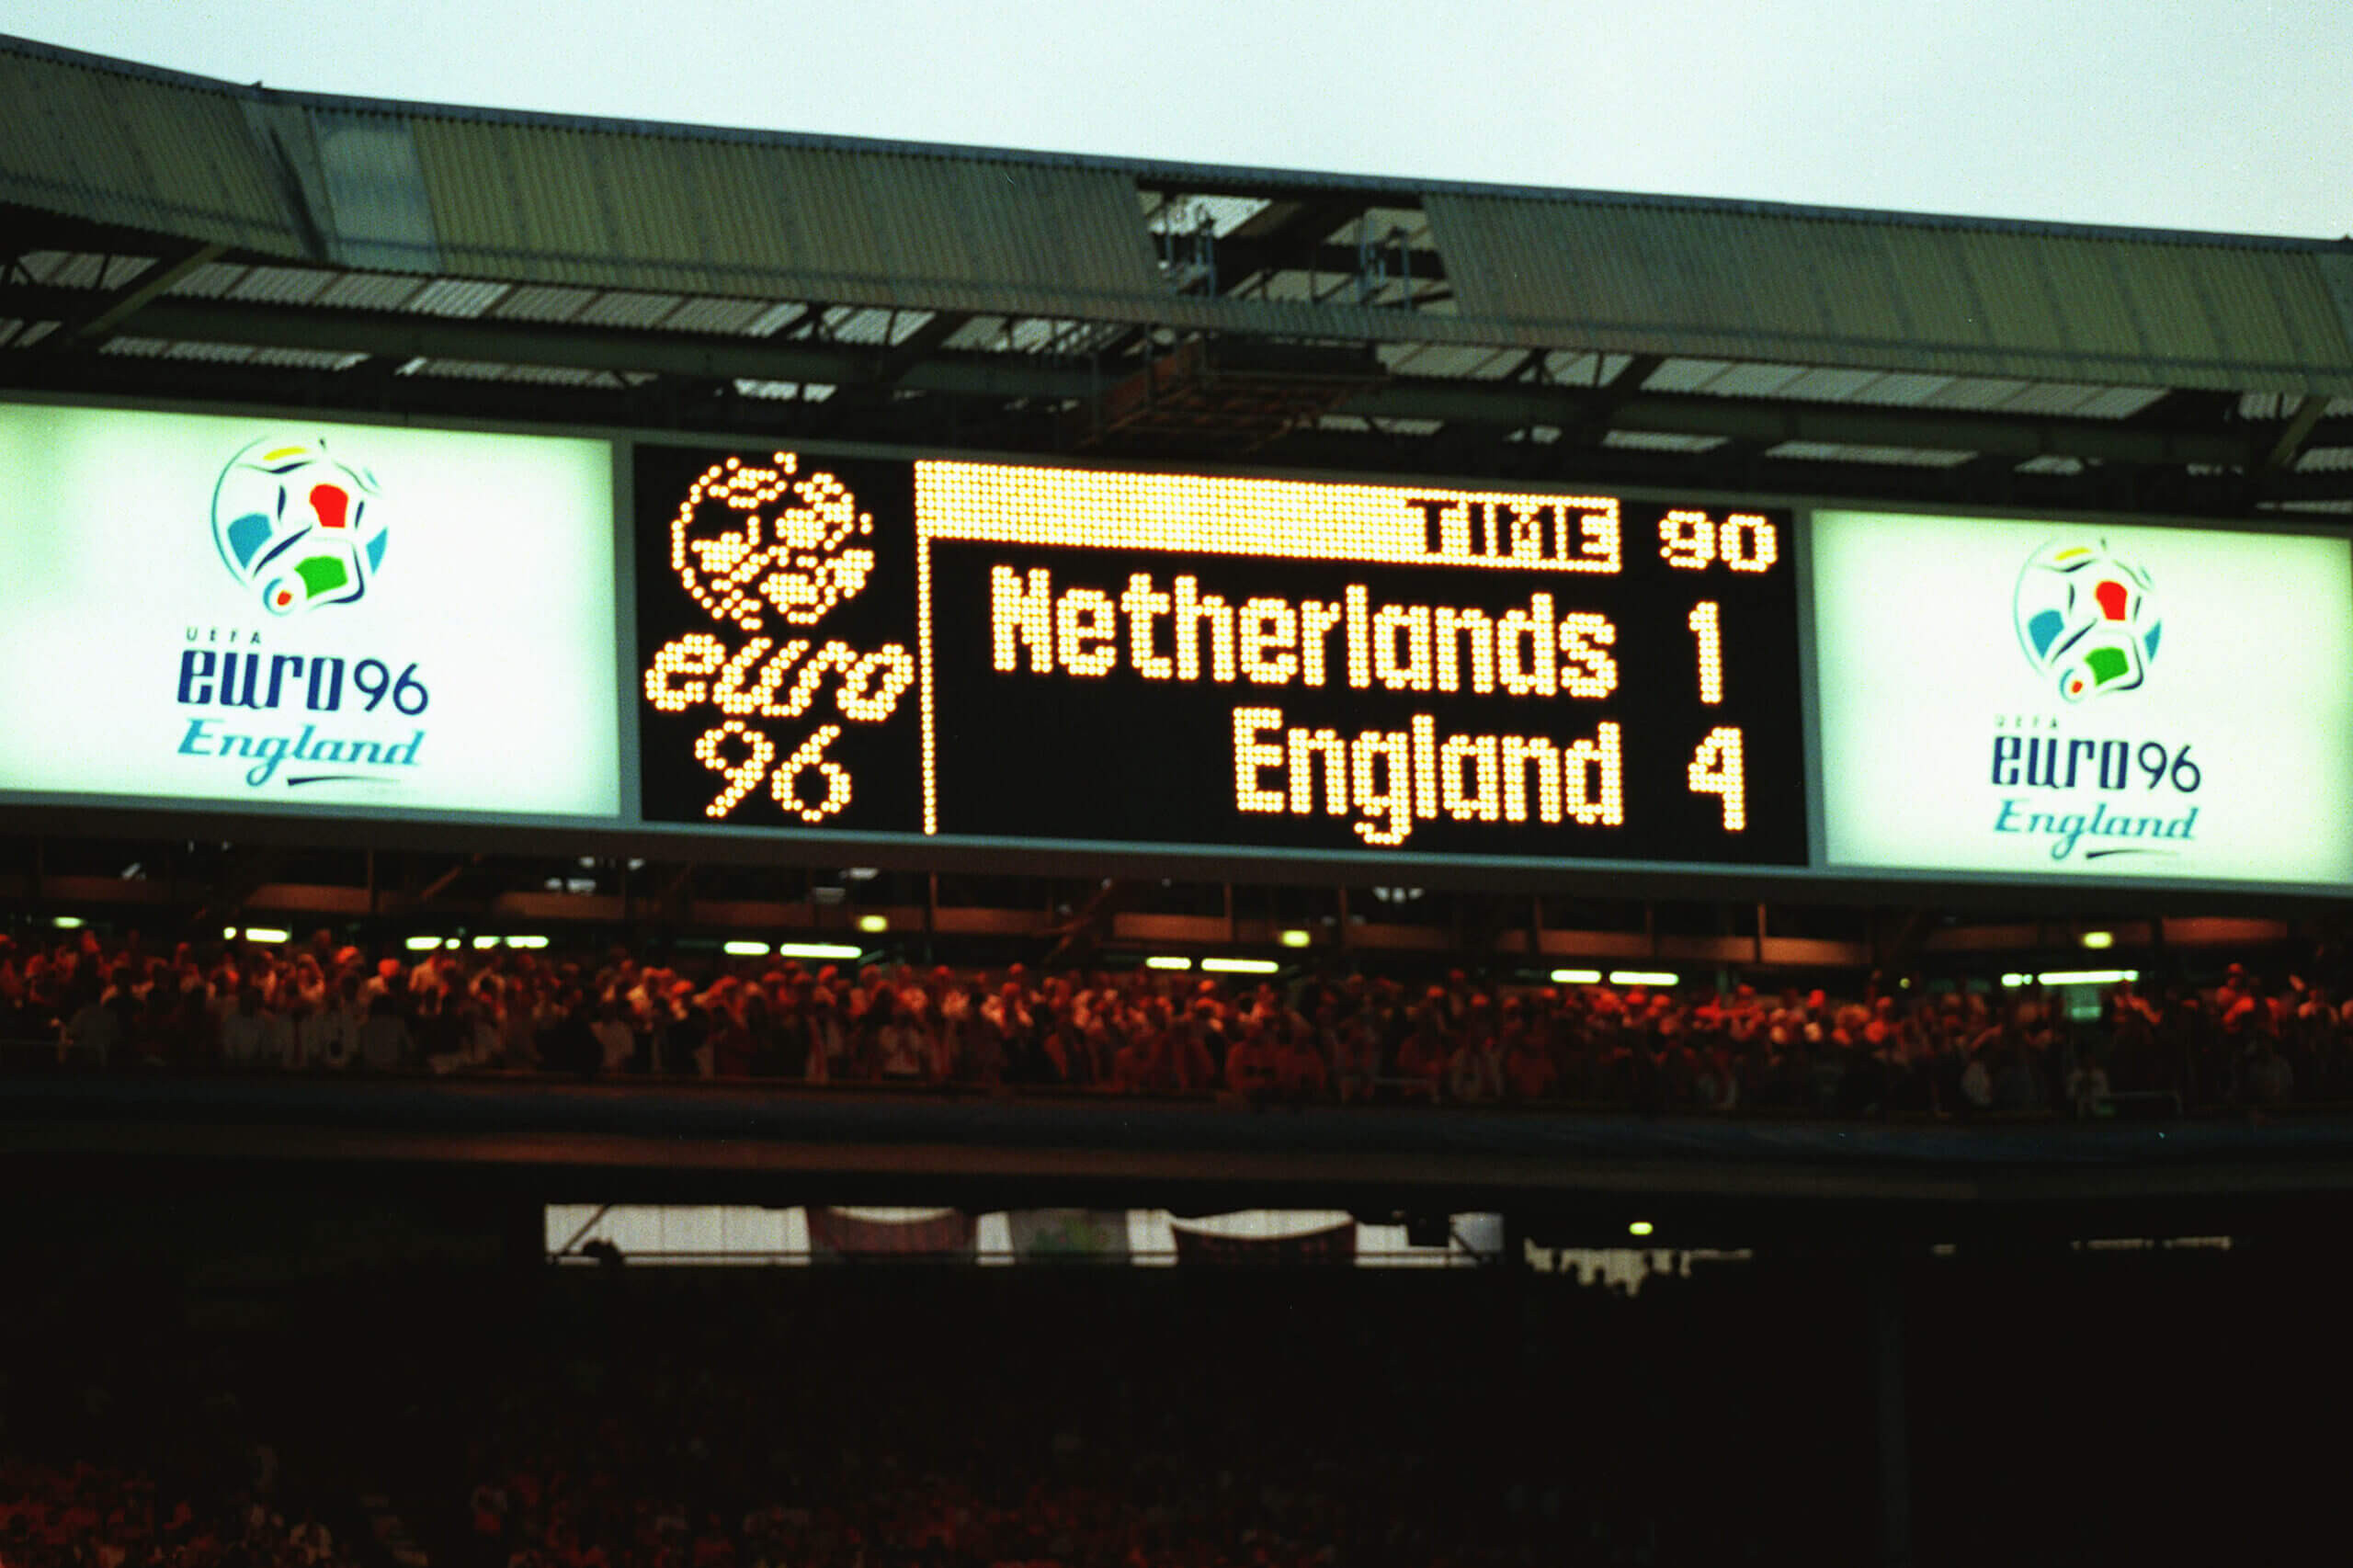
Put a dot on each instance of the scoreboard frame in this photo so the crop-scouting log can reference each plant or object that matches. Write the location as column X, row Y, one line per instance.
column 633, row 831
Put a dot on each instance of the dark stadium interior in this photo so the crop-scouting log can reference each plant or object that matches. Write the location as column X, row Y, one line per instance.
column 489, row 1189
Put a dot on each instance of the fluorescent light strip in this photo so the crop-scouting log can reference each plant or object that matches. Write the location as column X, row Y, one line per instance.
column 744, row 949
column 1644, row 977
column 1166, row 963
column 1241, row 966
column 817, row 951
column 1577, row 977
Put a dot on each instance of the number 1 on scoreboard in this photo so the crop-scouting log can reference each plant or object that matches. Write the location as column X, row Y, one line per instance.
column 1706, row 623
column 1717, row 770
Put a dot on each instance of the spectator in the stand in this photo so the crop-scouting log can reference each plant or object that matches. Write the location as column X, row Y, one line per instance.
column 95, row 1030
column 615, row 1041
column 1250, row 1065
column 385, row 1044
column 246, row 1033
column 2269, row 1078
column 1299, row 1067
column 2087, row 1086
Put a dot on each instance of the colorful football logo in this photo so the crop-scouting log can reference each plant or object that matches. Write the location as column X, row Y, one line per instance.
column 2088, row 618
column 749, row 540
column 302, row 525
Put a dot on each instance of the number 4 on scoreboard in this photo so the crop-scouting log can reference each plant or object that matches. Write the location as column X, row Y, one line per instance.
column 1717, row 770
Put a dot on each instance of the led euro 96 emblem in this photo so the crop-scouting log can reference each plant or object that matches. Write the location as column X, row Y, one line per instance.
column 751, row 542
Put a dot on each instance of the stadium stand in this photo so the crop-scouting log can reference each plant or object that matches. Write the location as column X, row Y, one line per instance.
column 1976, row 1253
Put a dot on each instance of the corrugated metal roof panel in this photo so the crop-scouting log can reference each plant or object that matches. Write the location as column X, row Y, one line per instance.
column 1905, row 457
column 715, row 315
column 545, row 303
column 519, row 199
column 129, row 149
column 282, row 285
column 212, row 281
column 372, row 291
column 1999, row 301
column 718, row 216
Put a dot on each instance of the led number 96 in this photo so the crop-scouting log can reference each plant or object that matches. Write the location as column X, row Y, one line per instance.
column 759, row 760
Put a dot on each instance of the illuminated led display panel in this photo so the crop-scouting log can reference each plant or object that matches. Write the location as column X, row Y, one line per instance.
column 290, row 613
column 990, row 651
column 2054, row 699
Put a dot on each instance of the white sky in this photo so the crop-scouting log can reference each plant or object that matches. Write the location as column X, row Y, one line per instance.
column 2193, row 114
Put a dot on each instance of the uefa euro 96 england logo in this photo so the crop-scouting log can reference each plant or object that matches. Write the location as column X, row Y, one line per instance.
column 768, row 550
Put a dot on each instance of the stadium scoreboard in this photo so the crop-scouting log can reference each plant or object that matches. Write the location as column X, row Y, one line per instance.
column 1063, row 654
column 204, row 612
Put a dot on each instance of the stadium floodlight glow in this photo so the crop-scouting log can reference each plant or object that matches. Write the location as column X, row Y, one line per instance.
column 1241, row 966
column 1166, row 961
column 2087, row 976
column 1296, row 937
column 817, row 951
column 2097, row 939
column 1639, row 1228
column 874, row 925
column 744, row 949
column 68, row 921
column 1644, row 977
column 422, row 943
column 1577, row 977
column 527, row 941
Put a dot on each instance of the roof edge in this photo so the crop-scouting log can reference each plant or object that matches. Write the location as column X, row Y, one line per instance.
column 1200, row 176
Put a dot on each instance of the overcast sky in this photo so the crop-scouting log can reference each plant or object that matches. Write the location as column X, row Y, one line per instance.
column 2190, row 114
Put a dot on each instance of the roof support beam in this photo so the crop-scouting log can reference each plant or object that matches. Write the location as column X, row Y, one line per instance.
column 137, row 295
column 2301, row 424
column 1770, row 423
column 982, row 376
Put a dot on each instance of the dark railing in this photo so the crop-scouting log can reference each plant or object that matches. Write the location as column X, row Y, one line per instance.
column 31, row 1057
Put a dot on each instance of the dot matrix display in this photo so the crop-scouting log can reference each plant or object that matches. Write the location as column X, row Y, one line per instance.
column 962, row 649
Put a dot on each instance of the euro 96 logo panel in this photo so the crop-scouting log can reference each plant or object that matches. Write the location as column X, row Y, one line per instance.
column 2042, row 699
column 285, row 613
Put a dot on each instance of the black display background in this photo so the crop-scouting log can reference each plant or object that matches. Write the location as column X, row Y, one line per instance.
column 885, row 760
column 1123, row 759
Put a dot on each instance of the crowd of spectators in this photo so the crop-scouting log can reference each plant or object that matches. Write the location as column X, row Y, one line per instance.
column 1277, row 1445
column 80, row 1515
column 1317, row 1038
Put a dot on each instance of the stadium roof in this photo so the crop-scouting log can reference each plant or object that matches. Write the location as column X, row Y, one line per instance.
column 170, row 235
